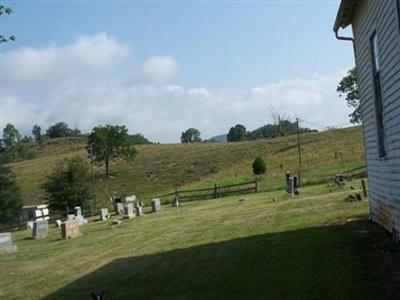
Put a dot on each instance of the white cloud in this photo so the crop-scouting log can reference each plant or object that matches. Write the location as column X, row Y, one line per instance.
column 160, row 68
column 201, row 92
column 86, row 84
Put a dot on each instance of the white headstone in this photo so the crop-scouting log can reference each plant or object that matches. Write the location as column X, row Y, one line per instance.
column 155, row 205
column 40, row 229
column 6, row 245
column 128, row 211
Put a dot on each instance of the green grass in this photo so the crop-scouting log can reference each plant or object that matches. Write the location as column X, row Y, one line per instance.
column 157, row 169
column 225, row 249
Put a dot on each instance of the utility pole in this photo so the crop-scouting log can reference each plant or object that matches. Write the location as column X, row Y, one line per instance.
column 298, row 148
column 93, row 176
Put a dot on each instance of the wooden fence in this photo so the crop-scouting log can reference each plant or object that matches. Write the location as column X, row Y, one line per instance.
column 213, row 192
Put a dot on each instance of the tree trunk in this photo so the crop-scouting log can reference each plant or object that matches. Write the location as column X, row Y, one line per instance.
column 107, row 169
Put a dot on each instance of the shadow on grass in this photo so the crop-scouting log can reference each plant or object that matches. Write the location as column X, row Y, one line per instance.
column 313, row 263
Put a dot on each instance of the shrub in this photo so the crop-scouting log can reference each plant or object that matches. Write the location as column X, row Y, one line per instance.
column 68, row 185
column 259, row 166
column 10, row 197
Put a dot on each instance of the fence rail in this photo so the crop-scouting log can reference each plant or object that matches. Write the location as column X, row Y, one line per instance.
column 213, row 192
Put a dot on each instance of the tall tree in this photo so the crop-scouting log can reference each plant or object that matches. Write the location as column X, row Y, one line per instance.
column 60, row 129
column 107, row 143
column 349, row 88
column 11, row 135
column 67, row 186
column 10, row 197
column 191, row 135
column 37, row 133
column 7, row 11
column 237, row 133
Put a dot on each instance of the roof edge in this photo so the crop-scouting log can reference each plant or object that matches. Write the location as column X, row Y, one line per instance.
column 345, row 14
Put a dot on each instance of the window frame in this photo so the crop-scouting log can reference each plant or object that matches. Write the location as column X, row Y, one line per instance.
column 378, row 100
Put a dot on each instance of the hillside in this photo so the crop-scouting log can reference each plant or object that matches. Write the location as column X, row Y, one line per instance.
column 158, row 168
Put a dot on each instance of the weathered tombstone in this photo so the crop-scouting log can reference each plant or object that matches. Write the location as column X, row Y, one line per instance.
column 130, row 198
column 29, row 225
column 119, row 208
column 104, row 214
column 58, row 223
column 175, row 201
column 291, row 186
column 6, row 245
column 40, row 229
column 128, row 211
column 78, row 215
column 155, row 205
column 139, row 211
column 70, row 229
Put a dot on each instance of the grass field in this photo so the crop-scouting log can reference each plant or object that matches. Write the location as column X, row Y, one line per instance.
column 225, row 249
column 158, row 169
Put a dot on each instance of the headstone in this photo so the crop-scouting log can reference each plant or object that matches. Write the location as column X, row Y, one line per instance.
column 119, row 208
column 104, row 214
column 291, row 187
column 40, row 229
column 6, row 245
column 29, row 225
column 175, row 201
column 128, row 211
column 78, row 216
column 139, row 211
column 70, row 229
column 155, row 205
column 242, row 199
column 130, row 198
column 58, row 223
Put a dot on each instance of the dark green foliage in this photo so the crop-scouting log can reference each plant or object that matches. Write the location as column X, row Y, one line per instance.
column 109, row 142
column 37, row 133
column 259, row 166
column 68, row 185
column 237, row 133
column 139, row 139
column 8, row 11
column 61, row 129
column 349, row 88
column 284, row 128
column 191, row 135
column 11, row 135
column 10, row 197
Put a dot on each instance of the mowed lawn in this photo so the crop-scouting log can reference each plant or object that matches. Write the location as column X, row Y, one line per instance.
column 267, row 247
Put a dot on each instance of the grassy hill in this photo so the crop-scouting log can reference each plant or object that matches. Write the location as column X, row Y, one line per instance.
column 159, row 168
column 219, row 249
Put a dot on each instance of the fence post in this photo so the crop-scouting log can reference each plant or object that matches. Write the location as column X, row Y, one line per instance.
column 220, row 190
column 256, row 184
column 215, row 190
column 364, row 188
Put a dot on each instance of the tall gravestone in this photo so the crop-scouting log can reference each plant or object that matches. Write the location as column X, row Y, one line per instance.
column 6, row 245
column 155, row 205
column 139, row 210
column 78, row 215
column 104, row 214
column 128, row 211
column 70, row 229
column 175, row 201
column 40, row 229
column 119, row 208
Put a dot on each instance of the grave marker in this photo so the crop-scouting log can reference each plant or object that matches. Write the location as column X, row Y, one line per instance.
column 40, row 229
column 104, row 214
column 175, row 201
column 128, row 211
column 6, row 245
column 70, row 229
column 155, row 205
column 139, row 211
column 119, row 208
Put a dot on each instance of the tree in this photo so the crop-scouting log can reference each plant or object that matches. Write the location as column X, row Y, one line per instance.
column 237, row 133
column 7, row 11
column 60, row 129
column 349, row 88
column 11, row 135
column 10, row 196
column 139, row 139
column 259, row 166
column 191, row 135
column 37, row 133
column 109, row 142
column 67, row 186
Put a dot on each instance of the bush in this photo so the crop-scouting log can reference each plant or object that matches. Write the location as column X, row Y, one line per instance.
column 259, row 166
column 68, row 185
column 10, row 197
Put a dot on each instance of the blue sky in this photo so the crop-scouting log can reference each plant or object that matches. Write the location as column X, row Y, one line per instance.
column 172, row 64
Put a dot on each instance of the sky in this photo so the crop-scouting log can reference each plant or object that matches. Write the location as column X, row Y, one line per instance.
column 160, row 67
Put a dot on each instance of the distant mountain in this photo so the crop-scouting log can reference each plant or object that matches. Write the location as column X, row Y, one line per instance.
column 218, row 138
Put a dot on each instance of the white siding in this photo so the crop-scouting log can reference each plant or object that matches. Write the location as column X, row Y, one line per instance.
column 383, row 174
